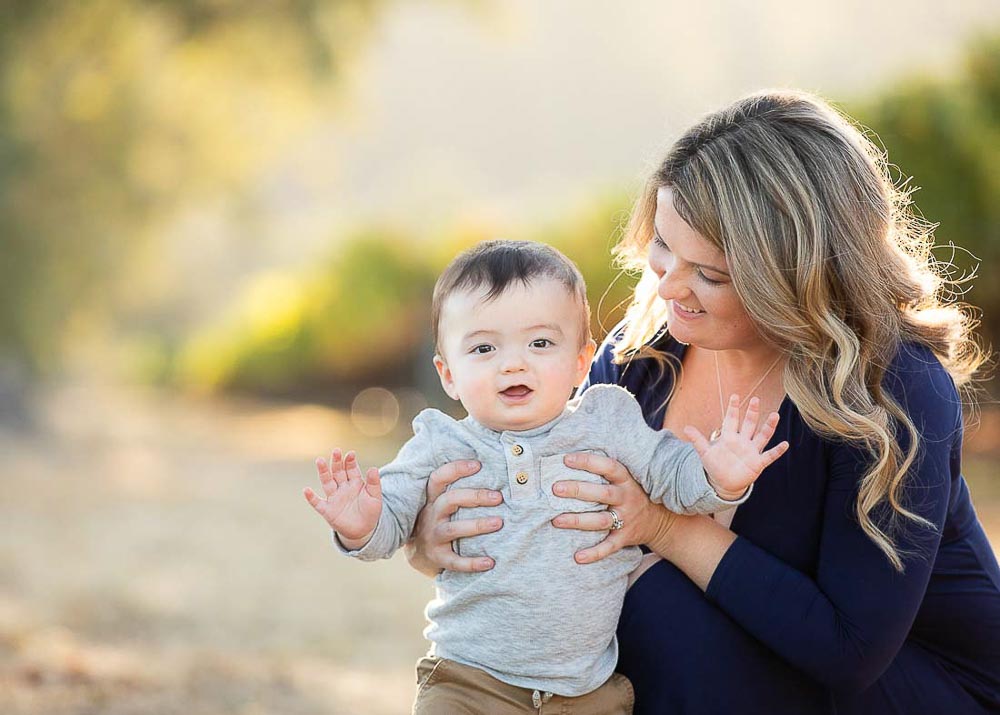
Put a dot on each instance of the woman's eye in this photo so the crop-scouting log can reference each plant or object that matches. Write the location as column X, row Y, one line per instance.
column 481, row 349
column 660, row 243
column 541, row 343
column 709, row 280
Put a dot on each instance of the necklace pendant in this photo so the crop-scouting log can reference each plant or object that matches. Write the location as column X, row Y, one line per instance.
column 715, row 435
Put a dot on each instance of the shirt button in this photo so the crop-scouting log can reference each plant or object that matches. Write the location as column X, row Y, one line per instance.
column 517, row 449
column 521, row 478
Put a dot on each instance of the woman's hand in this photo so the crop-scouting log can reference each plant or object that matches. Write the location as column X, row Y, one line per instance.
column 644, row 522
column 430, row 550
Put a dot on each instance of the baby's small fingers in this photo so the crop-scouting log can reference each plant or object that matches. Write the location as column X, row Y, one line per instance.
column 698, row 440
column 751, row 417
column 768, row 458
column 766, row 431
column 337, row 467
column 351, row 466
column 314, row 501
column 325, row 478
column 732, row 419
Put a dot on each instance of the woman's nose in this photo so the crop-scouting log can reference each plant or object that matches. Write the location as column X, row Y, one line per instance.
column 670, row 283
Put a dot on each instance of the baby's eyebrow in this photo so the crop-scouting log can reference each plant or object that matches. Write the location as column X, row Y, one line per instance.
column 479, row 334
column 554, row 327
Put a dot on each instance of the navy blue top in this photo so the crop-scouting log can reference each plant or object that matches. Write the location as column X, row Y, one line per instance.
column 803, row 599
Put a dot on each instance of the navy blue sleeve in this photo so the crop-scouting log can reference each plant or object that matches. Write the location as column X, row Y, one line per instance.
column 844, row 625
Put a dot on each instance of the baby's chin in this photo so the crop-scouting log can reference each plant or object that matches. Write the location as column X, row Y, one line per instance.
column 522, row 423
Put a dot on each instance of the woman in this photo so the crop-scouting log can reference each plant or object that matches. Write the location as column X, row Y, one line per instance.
column 856, row 579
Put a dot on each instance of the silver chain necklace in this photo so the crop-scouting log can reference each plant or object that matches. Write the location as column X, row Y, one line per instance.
column 716, row 433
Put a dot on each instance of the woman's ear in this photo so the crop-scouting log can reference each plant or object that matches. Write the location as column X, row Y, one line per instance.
column 444, row 373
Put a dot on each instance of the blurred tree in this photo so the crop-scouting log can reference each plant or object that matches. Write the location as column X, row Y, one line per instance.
column 114, row 113
column 945, row 133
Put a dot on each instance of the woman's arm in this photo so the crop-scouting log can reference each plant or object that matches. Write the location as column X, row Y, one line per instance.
column 843, row 624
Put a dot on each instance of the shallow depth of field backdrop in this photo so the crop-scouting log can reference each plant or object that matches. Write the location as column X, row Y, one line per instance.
column 219, row 225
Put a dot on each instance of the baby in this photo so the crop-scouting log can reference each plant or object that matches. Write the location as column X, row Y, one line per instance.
column 511, row 329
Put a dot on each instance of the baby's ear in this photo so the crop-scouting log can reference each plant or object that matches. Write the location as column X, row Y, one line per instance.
column 584, row 359
column 444, row 373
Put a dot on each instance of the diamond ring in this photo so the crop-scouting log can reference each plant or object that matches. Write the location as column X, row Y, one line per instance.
column 616, row 521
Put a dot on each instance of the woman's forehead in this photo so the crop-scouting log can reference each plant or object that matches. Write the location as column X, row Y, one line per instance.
column 681, row 237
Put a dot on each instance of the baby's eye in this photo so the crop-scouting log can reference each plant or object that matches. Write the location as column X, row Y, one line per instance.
column 541, row 343
column 481, row 349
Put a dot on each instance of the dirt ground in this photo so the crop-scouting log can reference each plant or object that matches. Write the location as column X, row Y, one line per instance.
column 158, row 558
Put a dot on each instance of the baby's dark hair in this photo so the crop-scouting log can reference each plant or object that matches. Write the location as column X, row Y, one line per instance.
column 495, row 265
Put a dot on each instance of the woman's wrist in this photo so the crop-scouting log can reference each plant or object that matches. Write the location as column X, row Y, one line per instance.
column 695, row 544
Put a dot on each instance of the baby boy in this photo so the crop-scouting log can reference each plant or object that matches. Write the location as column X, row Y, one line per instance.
column 511, row 328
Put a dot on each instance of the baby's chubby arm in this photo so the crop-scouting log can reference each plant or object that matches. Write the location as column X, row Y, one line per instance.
column 703, row 478
column 379, row 530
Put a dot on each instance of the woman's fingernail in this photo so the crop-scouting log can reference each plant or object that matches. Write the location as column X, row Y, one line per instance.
column 558, row 521
column 582, row 558
column 472, row 465
column 559, row 489
column 572, row 459
column 484, row 564
column 496, row 497
column 495, row 523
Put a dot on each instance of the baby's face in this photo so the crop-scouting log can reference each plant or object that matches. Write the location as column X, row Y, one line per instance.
column 513, row 361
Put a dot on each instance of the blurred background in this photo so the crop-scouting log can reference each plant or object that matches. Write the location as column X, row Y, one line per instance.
column 220, row 223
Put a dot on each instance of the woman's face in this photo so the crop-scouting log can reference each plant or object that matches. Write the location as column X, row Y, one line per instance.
column 703, row 307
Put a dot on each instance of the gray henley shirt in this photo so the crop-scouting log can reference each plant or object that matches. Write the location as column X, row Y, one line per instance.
column 538, row 619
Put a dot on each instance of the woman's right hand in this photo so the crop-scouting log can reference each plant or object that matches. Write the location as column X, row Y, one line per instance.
column 430, row 550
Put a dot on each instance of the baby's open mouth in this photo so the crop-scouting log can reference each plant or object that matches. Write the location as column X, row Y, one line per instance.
column 516, row 391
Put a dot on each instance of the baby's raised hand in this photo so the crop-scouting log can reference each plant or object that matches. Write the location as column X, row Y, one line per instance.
column 735, row 460
column 353, row 503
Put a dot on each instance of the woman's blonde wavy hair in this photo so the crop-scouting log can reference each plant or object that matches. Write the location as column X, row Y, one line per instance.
column 831, row 264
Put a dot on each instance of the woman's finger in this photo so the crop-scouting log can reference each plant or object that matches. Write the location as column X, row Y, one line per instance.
column 601, row 551
column 601, row 493
column 606, row 467
column 449, row 502
column 587, row 521
column 469, row 564
column 448, row 531
column 448, row 474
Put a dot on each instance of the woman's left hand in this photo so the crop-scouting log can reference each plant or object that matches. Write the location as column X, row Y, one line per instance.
column 643, row 521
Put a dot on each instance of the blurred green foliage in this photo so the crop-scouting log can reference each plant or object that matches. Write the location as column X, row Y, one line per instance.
column 365, row 320
column 116, row 113
column 945, row 133
column 365, row 317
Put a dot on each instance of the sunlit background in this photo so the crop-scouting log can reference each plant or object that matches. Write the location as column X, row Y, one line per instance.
column 220, row 223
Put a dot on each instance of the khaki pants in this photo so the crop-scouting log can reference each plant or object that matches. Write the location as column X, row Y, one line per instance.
column 445, row 687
